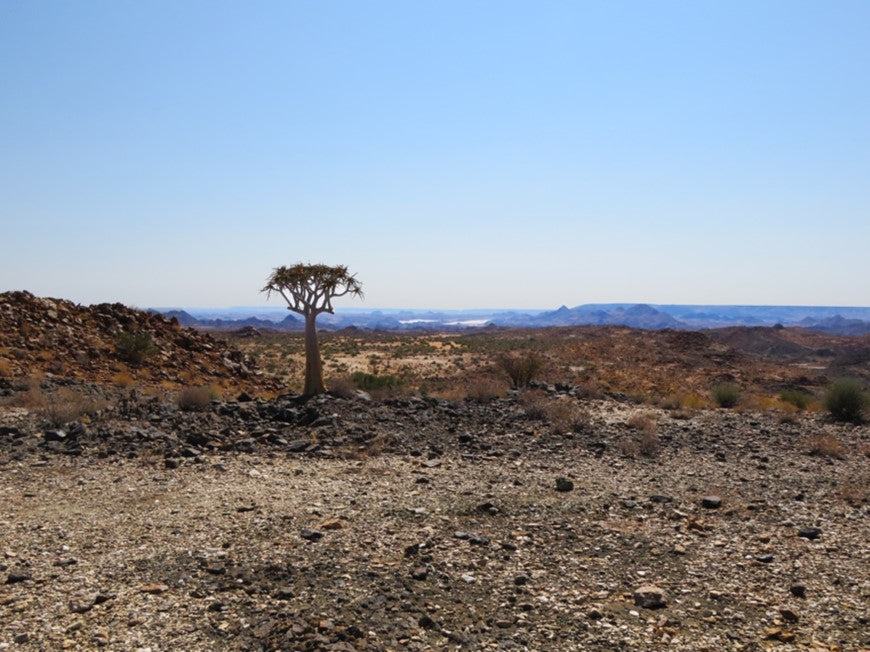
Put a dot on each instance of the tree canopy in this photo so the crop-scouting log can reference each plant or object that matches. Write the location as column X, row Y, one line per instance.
column 310, row 289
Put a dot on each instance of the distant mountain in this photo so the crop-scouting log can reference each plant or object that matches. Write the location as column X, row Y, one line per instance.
column 289, row 323
column 636, row 316
column 837, row 324
column 184, row 318
column 843, row 320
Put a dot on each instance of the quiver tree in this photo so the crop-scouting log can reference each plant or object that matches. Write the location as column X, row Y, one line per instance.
column 309, row 291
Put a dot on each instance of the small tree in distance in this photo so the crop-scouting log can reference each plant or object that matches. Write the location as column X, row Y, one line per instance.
column 309, row 291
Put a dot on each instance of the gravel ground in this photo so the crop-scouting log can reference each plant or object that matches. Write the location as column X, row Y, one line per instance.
column 708, row 546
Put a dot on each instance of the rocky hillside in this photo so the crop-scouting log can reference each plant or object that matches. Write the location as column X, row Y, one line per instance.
column 105, row 342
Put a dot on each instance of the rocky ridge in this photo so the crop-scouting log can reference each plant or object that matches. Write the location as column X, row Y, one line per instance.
column 64, row 339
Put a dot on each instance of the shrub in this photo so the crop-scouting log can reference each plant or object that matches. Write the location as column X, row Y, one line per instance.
column 134, row 347
column 845, row 400
column 726, row 395
column 368, row 382
column 800, row 399
column 521, row 368
column 194, row 399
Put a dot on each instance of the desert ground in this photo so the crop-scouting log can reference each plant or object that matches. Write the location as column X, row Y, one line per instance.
column 191, row 500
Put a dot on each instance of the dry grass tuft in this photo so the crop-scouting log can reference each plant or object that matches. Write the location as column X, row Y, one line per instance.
column 30, row 397
column 484, row 389
column 644, row 423
column 342, row 387
column 685, row 402
column 196, row 399
column 59, row 407
column 566, row 416
column 826, row 445
column 534, row 404
column 645, row 441
column 855, row 490
column 122, row 379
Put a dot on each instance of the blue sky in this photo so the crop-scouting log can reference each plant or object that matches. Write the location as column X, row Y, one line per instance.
column 453, row 154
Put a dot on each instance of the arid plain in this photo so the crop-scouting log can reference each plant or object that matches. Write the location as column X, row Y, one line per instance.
column 188, row 499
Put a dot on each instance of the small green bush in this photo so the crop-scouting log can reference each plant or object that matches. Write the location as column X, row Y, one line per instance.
column 521, row 368
column 801, row 400
column 368, row 382
column 846, row 400
column 726, row 395
column 134, row 347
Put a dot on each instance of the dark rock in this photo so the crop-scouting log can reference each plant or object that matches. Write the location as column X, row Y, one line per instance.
column 521, row 580
column 420, row 573
column 245, row 445
column 811, row 533
column 62, row 563
column 101, row 597
column 298, row 445
column 479, row 541
column 426, row 622
column 798, row 590
column 711, row 502
column 54, row 435
column 764, row 559
column 16, row 577
column 197, row 439
column 310, row 535
column 564, row 485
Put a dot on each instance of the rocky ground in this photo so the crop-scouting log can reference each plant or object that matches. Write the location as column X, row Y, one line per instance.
column 418, row 524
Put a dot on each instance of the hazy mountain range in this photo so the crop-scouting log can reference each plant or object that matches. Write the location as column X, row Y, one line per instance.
column 842, row 320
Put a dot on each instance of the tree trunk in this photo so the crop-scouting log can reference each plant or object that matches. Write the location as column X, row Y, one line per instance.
column 313, row 366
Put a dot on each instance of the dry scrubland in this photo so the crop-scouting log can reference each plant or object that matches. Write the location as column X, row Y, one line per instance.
column 184, row 501
column 661, row 368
